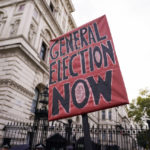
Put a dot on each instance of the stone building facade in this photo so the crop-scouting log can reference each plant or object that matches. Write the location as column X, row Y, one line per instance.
column 26, row 27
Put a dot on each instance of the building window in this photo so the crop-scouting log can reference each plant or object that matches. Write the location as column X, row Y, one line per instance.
column 103, row 115
column 51, row 6
column 35, row 100
column 35, row 14
column 78, row 119
column 14, row 27
column 110, row 135
column 1, row 15
column 64, row 23
column 2, row 22
column 43, row 51
column 109, row 115
column 21, row 7
column 104, row 137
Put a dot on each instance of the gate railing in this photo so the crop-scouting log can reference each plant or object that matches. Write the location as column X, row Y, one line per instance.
column 105, row 137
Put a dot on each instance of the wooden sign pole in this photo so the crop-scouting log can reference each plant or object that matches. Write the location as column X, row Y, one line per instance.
column 87, row 138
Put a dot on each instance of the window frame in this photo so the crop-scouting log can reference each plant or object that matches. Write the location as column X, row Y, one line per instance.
column 103, row 115
column 110, row 115
column 35, row 100
column 51, row 6
column 43, row 56
column 21, row 7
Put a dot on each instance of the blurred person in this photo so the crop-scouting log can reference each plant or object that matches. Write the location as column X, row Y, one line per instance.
column 5, row 147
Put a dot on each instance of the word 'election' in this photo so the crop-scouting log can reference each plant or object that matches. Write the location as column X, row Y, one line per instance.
column 79, row 52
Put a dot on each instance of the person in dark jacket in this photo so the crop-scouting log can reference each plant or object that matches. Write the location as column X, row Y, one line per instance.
column 5, row 147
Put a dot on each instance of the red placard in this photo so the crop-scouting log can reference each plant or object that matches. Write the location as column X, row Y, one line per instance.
column 84, row 72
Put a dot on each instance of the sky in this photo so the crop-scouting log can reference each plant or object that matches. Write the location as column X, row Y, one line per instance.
column 129, row 22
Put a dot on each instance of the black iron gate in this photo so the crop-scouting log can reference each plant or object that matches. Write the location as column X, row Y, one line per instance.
column 61, row 136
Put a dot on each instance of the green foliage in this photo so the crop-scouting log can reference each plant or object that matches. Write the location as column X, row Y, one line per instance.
column 140, row 107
